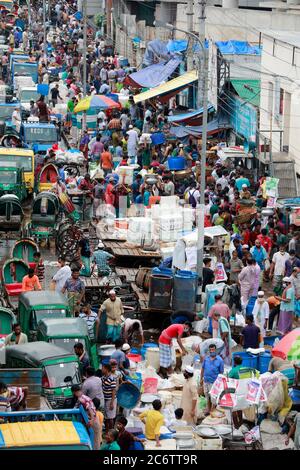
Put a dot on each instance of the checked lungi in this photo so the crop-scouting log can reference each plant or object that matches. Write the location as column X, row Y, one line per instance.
column 165, row 355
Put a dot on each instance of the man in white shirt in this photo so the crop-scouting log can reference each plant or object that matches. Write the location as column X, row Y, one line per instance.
column 16, row 119
column 277, row 269
column 222, row 181
column 105, row 88
column 62, row 275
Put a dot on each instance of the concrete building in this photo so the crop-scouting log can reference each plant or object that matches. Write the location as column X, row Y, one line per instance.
column 280, row 97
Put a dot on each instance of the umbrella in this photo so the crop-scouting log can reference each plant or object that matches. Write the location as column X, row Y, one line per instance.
column 289, row 346
column 95, row 101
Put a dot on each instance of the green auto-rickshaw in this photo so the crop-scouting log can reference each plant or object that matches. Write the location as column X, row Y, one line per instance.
column 7, row 320
column 65, row 333
column 60, row 369
column 12, row 180
column 37, row 305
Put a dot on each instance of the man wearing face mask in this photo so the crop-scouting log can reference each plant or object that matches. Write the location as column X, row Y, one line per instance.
column 212, row 366
column 189, row 396
column 277, row 268
column 175, row 331
column 261, row 312
column 291, row 263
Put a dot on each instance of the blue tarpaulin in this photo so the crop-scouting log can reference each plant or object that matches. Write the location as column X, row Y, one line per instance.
column 226, row 47
column 188, row 116
column 155, row 74
column 237, row 47
column 196, row 131
column 156, row 49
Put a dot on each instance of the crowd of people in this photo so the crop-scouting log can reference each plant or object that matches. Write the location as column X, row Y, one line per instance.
column 260, row 256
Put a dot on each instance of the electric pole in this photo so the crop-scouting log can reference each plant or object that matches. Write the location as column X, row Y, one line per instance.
column 190, row 14
column 202, row 102
column 84, row 54
column 45, row 29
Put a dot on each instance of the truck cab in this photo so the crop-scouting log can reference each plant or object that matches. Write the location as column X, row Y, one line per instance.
column 36, row 306
column 39, row 136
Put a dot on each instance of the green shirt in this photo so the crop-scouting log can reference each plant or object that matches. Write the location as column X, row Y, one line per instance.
column 214, row 209
column 234, row 373
column 112, row 446
column 71, row 106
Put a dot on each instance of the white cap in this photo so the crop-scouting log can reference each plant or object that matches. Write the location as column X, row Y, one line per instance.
column 100, row 244
column 125, row 347
column 130, row 127
column 286, row 279
column 180, row 145
column 112, row 292
column 189, row 369
column 244, row 186
column 245, row 247
column 260, row 293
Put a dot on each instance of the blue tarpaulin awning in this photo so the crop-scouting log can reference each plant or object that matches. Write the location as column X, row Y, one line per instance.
column 155, row 74
column 238, row 48
column 196, row 131
column 189, row 116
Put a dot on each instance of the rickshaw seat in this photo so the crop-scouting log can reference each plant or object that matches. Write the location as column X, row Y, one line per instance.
column 14, row 289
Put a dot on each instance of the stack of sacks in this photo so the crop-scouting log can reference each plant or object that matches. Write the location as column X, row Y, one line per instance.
column 188, row 216
column 169, row 226
column 126, row 174
column 139, row 230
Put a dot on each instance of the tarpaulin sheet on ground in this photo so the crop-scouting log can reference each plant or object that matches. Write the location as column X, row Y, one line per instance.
column 153, row 75
column 196, row 131
column 170, row 88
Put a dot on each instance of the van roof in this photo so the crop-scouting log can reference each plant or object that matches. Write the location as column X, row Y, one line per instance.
column 16, row 151
column 38, row 351
column 57, row 327
column 43, row 297
column 43, row 433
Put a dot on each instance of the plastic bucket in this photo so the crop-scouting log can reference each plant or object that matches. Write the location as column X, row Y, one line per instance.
column 249, row 360
column 263, row 361
column 134, row 357
column 152, row 358
column 145, row 347
column 150, row 385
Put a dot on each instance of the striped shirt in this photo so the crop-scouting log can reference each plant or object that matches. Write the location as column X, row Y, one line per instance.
column 90, row 321
column 114, row 124
column 109, row 384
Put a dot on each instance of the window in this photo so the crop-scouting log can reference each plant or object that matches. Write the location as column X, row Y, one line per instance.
column 281, row 101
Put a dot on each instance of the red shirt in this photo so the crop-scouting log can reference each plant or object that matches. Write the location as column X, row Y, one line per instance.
column 170, row 333
column 265, row 241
